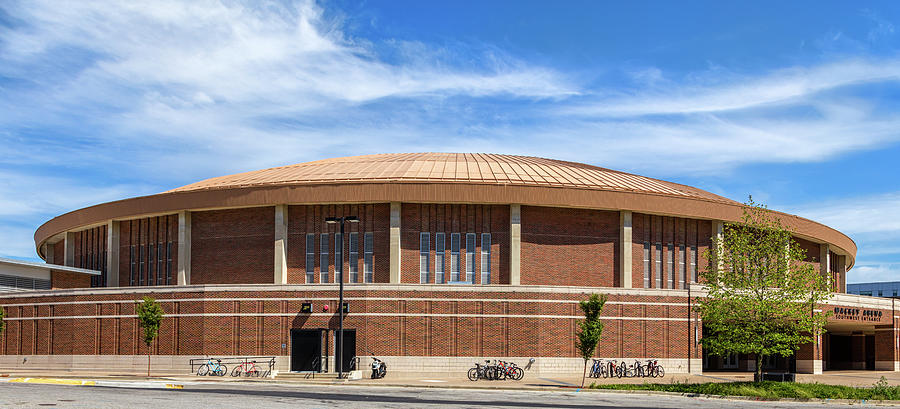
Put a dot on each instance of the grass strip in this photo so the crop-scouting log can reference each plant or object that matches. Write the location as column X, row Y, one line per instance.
column 770, row 390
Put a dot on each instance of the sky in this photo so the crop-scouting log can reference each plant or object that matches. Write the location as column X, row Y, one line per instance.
column 794, row 103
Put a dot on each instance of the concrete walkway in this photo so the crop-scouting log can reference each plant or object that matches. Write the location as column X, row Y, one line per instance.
column 530, row 381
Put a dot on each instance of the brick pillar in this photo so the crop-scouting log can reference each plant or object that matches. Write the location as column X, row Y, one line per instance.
column 184, row 248
column 515, row 244
column 886, row 354
column 858, row 351
column 625, row 249
column 112, row 254
column 395, row 242
column 809, row 357
column 281, row 229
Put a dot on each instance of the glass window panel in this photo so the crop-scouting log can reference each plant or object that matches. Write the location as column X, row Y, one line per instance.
column 353, row 261
column 310, row 257
column 424, row 256
column 454, row 257
column 338, row 258
column 647, row 269
column 368, row 258
column 439, row 258
column 682, row 256
column 470, row 257
column 657, row 258
column 670, row 264
column 323, row 258
column 485, row 258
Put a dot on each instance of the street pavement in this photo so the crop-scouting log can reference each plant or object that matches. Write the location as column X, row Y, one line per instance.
column 271, row 395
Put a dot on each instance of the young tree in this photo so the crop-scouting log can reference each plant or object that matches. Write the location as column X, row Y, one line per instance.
column 2, row 324
column 150, row 315
column 590, row 329
column 761, row 295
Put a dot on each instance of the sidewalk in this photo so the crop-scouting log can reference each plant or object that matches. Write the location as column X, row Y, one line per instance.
column 530, row 381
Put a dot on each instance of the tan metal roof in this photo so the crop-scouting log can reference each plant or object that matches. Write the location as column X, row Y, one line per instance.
column 469, row 168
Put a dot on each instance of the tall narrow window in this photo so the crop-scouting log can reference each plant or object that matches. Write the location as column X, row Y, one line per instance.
column 338, row 258
column 424, row 256
column 160, row 270
column 454, row 257
column 310, row 258
column 131, row 261
column 682, row 256
column 670, row 265
column 439, row 267
column 647, row 269
column 657, row 260
column 693, row 259
column 141, row 265
column 470, row 257
column 169, row 263
column 323, row 258
column 151, row 256
column 485, row 258
column 353, row 261
column 368, row 258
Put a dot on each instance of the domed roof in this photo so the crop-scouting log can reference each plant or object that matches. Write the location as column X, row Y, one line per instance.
column 469, row 168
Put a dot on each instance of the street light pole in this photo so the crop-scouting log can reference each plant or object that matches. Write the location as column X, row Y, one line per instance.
column 339, row 274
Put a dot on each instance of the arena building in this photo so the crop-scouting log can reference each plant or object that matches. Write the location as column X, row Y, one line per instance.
column 455, row 258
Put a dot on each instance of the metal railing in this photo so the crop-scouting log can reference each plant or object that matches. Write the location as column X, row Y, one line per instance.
column 266, row 362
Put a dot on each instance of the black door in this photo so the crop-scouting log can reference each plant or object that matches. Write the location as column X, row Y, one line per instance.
column 306, row 350
column 349, row 350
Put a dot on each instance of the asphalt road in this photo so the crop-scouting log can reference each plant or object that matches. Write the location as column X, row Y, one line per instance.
column 316, row 396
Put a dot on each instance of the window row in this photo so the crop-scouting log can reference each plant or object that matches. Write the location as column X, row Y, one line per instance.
column 457, row 258
column 325, row 269
column 670, row 277
column 150, row 264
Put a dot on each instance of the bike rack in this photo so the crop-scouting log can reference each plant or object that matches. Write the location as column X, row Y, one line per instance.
column 263, row 361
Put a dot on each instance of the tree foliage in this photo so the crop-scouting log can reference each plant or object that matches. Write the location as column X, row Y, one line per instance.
column 2, row 316
column 150, row 315
column 591, row 329
column 762, row 296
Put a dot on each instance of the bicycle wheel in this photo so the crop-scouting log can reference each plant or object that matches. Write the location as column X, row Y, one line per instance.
column 203, row 370
column 237, row 371
column 222, row 370
column 473, row 374
column 660, row 371
column 520, row 373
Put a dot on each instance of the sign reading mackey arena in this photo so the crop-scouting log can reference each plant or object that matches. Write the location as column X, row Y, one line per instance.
column 456, row 258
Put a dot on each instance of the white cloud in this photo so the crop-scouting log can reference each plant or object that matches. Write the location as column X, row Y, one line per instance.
column 858, row 215
column 865, row 273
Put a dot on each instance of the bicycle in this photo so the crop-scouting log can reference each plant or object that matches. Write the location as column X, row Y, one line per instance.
column 212, row 368
column 246, row 368
column 654, row 369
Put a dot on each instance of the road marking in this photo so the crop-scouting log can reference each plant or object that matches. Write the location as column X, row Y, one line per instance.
column 52, row 381
column 431, row 380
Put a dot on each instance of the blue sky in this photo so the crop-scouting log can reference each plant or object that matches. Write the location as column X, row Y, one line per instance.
column 795, row 103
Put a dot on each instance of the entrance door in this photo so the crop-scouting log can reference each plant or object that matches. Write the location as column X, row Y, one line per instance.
column 870, row 352
column 349, row 350
column 306, row 350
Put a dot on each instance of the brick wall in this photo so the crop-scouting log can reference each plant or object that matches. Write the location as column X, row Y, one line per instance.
column 388, row 323
column 233, row 246
column 664, row 230
column 448, row 219
column 569, row 246
column 374, row 218
column 63, row 279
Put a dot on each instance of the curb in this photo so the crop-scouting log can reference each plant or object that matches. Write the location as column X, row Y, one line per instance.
column 108, row 384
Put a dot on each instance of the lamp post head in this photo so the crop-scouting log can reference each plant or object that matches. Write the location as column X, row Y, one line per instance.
column 331, row 220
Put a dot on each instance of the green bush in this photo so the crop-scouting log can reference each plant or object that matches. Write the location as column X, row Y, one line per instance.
column 772, row 390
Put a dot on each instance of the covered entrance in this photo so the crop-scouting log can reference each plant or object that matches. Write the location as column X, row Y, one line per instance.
column 348, row 351
column 850, row 346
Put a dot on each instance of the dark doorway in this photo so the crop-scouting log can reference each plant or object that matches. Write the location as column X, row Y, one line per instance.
column 306, row 350
column 349, row 350
column 839, row 352
column 870, row 352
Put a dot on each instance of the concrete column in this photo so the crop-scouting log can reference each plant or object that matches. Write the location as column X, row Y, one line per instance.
column 184, row 248
column 825, row 262
column 395, row 242
column 625, row 248
column 515, row 244
column 112, row 254
column 809, row 357
column 281, row 229
column 719, row 231
column 69, row 259
column 48, row 253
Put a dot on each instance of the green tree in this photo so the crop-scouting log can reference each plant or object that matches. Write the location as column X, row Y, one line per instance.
column 2, row 315
column 590, row 330
column 150, row 315
column 761, row 295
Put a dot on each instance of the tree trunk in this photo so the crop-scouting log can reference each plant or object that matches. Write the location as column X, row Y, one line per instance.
column 758, row 368
column 583, row 372
column 148, row 360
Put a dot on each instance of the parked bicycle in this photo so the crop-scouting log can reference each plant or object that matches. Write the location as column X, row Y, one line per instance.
column 212, row 368
column 621, row 369
column 247, row 368
column 498, row 370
